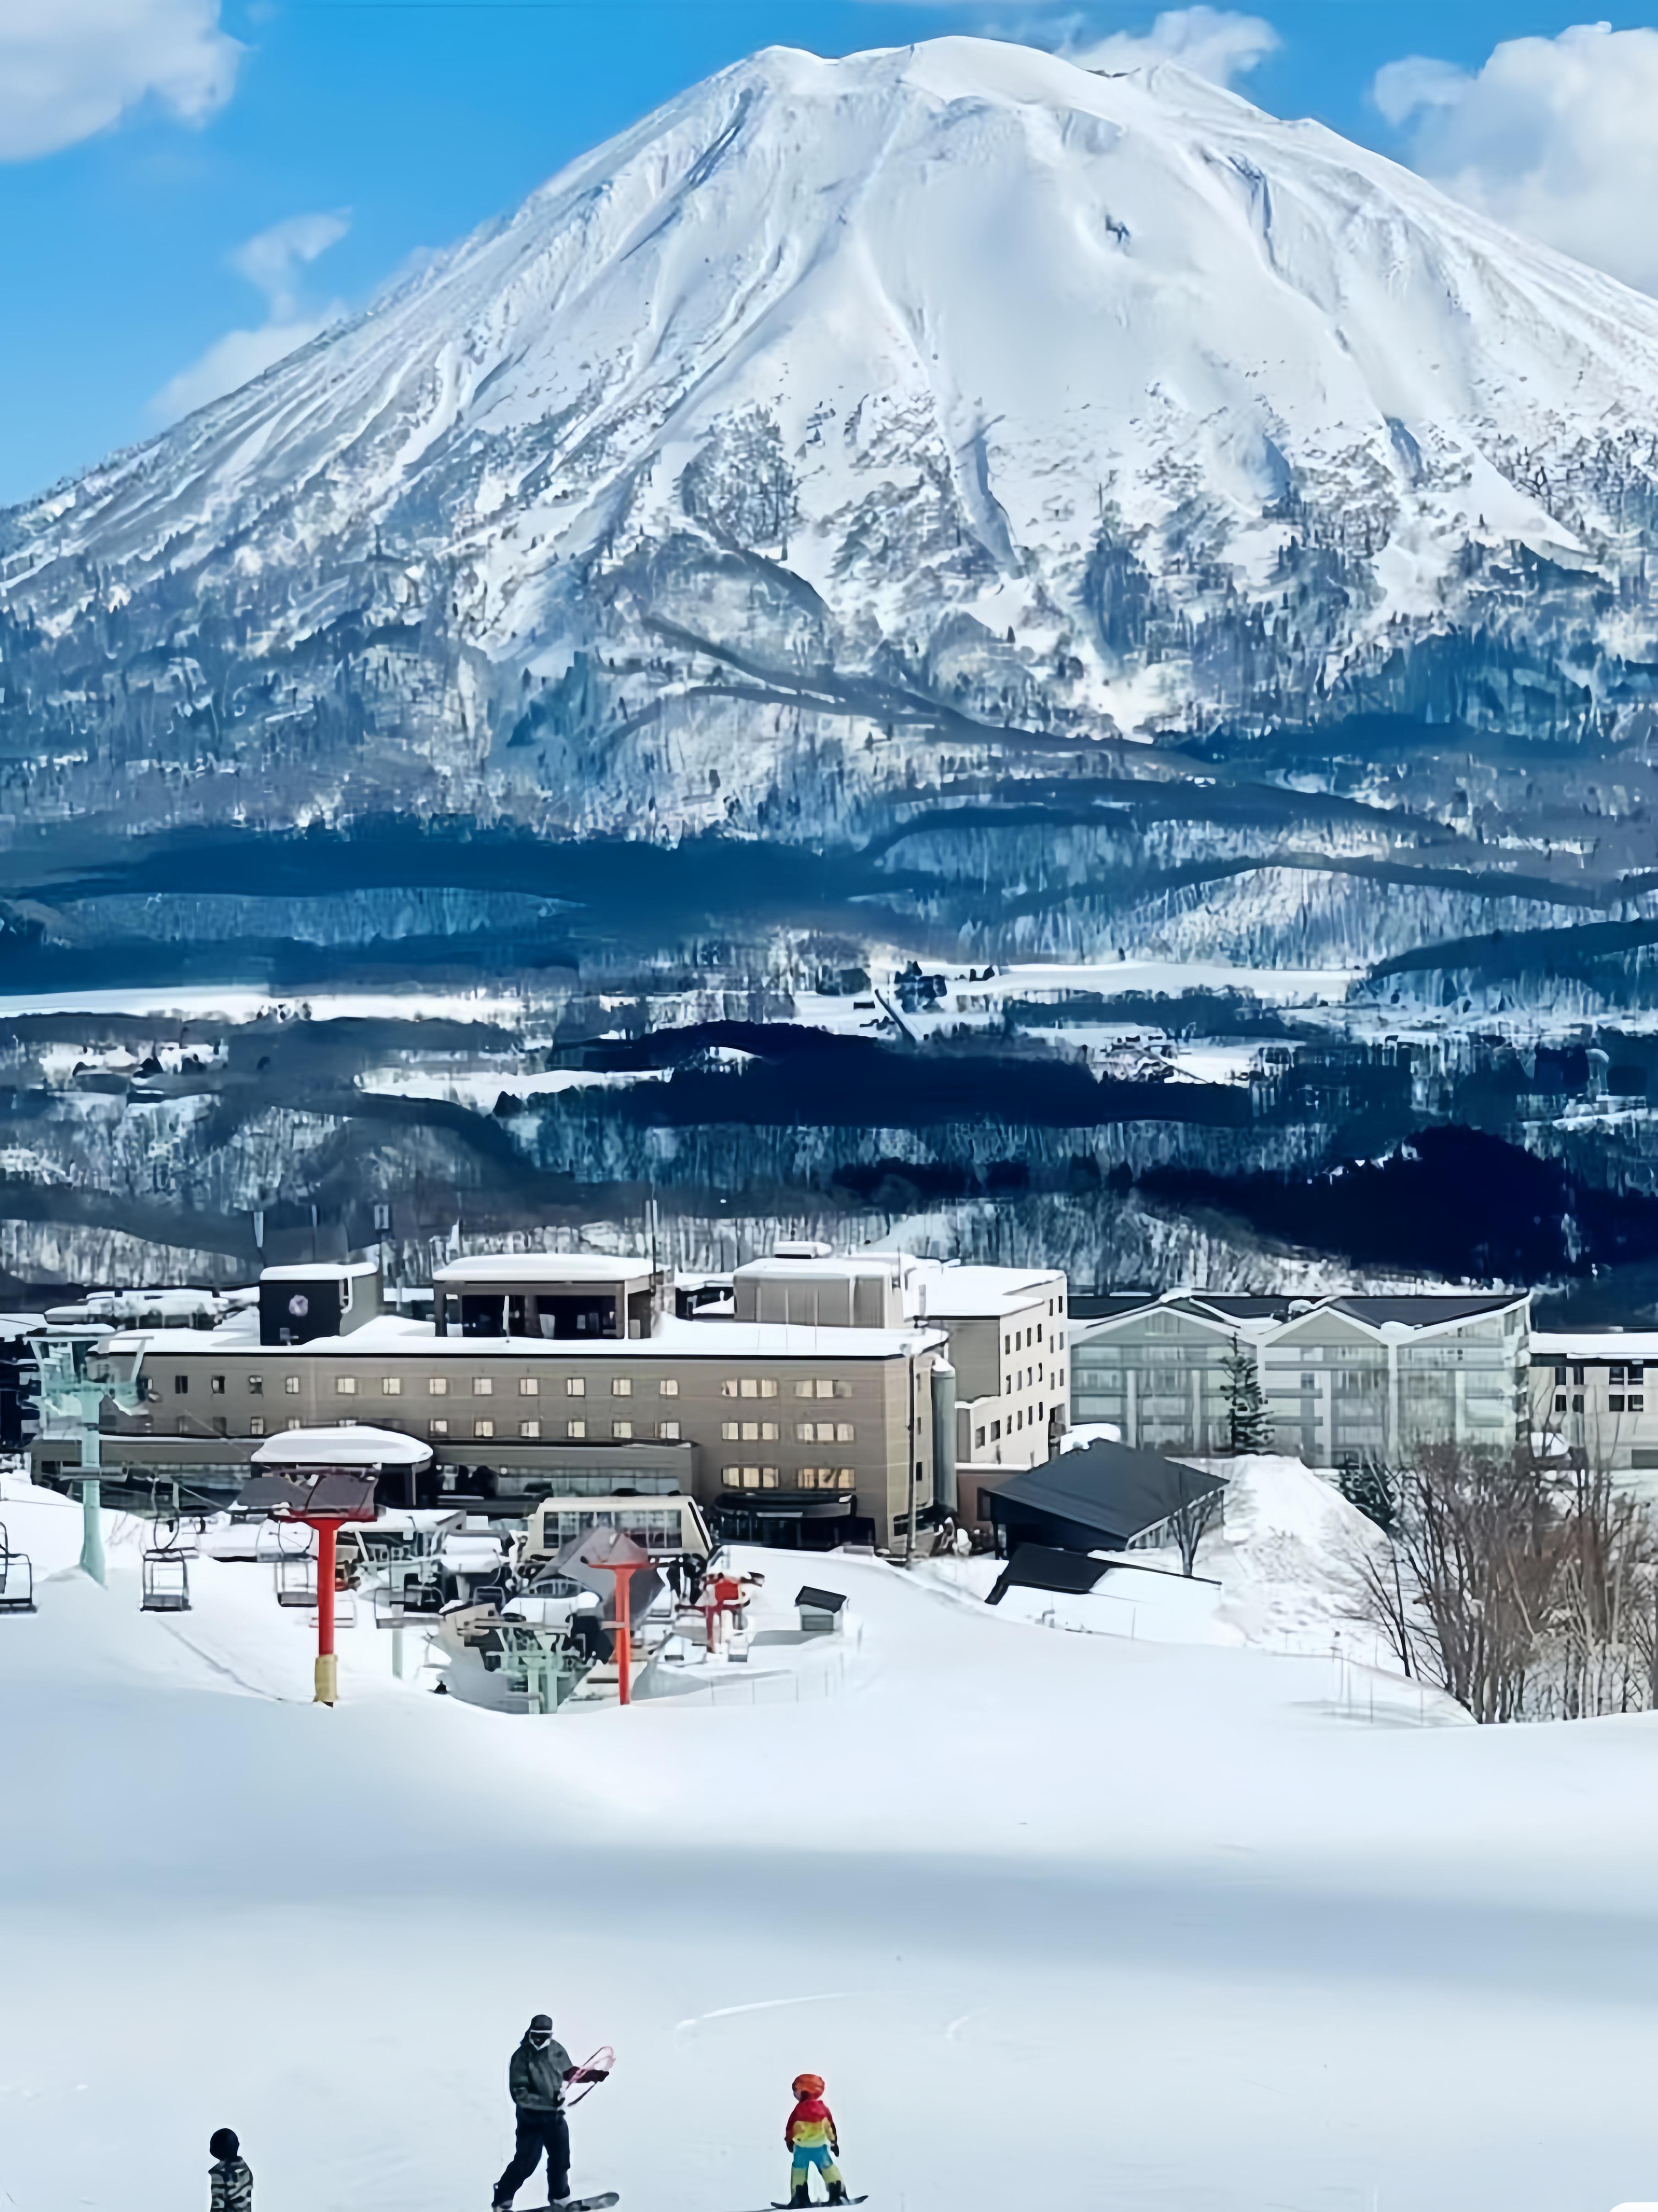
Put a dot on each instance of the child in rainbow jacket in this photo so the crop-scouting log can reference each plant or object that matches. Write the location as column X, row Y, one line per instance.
column 812, row 2141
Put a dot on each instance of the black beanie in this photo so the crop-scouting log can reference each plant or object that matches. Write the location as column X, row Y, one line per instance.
column 224, row 2142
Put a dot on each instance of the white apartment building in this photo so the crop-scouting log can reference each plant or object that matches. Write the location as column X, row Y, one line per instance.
column 1596, row 1391
column 1346, row 1380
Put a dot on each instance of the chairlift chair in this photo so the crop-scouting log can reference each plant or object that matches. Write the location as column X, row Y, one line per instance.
column 16, row 1577
column 296, row 1579
column 166, row 1581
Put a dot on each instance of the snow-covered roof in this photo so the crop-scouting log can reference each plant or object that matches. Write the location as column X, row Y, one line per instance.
column 950, row 1292
column 1615, row 1344
column 394, row 1336
column 545, row 1268
column 321, row 1271
column 342, row 1446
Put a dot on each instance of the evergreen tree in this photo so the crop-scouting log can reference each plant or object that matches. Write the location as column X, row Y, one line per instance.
column 1373, row 1490
column 1249, row 1423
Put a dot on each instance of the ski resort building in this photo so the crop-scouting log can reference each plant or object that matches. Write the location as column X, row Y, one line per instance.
column 1344, row 1380
column 545, row 1376
column 1595, row 1391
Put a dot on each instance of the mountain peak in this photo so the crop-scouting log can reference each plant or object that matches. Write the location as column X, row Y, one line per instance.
column 945, row 389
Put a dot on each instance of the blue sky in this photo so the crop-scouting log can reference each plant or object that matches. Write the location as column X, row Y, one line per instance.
column 180, row 178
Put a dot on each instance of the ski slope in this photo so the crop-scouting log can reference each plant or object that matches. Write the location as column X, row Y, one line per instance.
column 1064, row 1920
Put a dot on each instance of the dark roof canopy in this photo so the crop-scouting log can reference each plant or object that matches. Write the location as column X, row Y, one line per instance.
column 819, row 1600
column 1115, row 1493
column 1037, row 1566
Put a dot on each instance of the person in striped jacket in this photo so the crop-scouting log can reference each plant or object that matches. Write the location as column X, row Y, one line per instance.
column 232, row 2176
column 813, row 2140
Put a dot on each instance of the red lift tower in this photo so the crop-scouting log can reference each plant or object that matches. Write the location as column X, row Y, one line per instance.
column 323, row 1498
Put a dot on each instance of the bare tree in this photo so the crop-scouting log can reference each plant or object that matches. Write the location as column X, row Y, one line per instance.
column 1193, row 1518
column 1526, row 1590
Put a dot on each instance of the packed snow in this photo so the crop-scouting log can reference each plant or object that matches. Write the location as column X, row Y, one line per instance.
column 1061, row 1918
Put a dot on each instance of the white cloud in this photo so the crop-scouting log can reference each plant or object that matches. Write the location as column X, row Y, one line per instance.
column 1218, row 43
column 71, row 68
column 1553, row 136
column 274, row 261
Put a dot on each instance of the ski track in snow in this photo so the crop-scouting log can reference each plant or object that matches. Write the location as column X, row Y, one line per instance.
column 1163, row 1925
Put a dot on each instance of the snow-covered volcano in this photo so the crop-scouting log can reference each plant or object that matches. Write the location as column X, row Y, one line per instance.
column 851, row 431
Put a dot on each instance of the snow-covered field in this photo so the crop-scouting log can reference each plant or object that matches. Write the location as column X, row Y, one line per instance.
column 1064, row 1920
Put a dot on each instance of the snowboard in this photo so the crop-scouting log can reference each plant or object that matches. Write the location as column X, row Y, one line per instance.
column 818, row 2206
column 583, row 2204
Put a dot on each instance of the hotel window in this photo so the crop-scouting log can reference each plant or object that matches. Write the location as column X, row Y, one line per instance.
column 668, row 1431
column 529, row 1428
column 482, row 1386
column 439, row 1428
column 256, row 1386
column 668, row 1387
column 291, row 1384
column 392, row 1385
column 346, row 1385
column 622, row 1386
column 528, row 1387
column 622, row 1428
column 294, row 1422
column 575, row 1428
column 1559, row 1401
column 843, row 1432
column 484, row 1428
column 731, row 1431
column 180, row 1386
column 575, row 1386
column 438, row 1385
column 748, row 1478
column 216, row 1384
column 256, row 1426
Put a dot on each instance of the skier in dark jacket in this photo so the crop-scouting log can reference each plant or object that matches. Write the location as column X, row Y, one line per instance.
column 536, row 2077
column 231, row 2175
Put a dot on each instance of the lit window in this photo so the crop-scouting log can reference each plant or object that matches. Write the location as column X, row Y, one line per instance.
column 728, row 1388
column 529, row 1428
column 439, row 1428
column 484, row 1428
column 803, row 1389
column 438, row 1386
column 256, row 1426
column 669, row 1387
column 528, row 1387
column 669, row 1431
column 294, row 1422
column 751, row 1387
column 824, row 1386
column 843, row 1432
column 575, row 1428
column 482, row 1386
column 845, row 1477
column 731, row 1431
column 392, row 1385
column 256, row 1386
column 346, row 1385
column 622, row 1428
column 622, row 1386
column 575, row 1386
column 291, row 1384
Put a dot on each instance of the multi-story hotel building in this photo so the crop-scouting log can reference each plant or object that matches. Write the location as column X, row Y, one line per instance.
column 824, row 1390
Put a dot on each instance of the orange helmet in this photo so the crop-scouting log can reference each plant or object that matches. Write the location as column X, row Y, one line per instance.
column 808, row 2085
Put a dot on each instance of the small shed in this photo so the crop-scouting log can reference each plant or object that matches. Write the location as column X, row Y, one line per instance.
column 820, row 1610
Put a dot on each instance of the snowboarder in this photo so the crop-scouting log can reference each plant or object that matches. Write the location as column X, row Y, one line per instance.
column 536, row 2078
column 813, row 2140
column 231, row 2174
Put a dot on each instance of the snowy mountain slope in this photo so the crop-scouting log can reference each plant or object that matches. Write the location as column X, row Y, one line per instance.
column 849, row 432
